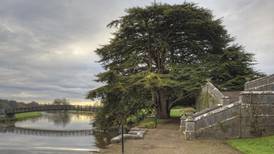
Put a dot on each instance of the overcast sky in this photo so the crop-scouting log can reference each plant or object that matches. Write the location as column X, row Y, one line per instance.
column 46, row 46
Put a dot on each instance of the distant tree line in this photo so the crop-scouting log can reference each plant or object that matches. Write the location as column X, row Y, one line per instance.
column 59, row 101
column 10, row 104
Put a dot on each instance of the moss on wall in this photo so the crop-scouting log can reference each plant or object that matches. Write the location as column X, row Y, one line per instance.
column 206, row 100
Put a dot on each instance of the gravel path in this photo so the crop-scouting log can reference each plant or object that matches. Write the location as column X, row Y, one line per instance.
column 166, row 139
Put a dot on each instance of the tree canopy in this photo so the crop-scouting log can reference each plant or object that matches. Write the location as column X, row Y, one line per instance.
column 163, row 53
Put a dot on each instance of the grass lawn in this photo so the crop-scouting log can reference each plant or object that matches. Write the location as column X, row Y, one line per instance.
column 262, row 145
column 178, row 111
column 175, row 112
column 28, row 115
column 147, row 123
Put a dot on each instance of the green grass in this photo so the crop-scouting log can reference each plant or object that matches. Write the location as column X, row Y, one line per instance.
column 28, row 115
column 147, row 123
column 150, row 122
column 178, row 111
column 262, row 145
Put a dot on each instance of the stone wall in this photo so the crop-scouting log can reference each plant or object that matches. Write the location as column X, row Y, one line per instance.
column 220, row 123
column 257, row 113
column 252, row 116
column 261, row 84
column 209, row 97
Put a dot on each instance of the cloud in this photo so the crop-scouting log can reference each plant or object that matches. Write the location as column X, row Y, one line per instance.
column 251, row 22
column 46, row 47
column 46, row 51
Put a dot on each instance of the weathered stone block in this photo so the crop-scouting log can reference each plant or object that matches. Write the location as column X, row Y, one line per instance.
column 182, row 123
column 190, row 128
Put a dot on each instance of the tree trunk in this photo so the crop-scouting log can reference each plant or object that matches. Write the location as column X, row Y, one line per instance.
column 161, row 104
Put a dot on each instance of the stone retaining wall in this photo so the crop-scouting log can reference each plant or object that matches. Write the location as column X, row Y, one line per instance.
column 257, row 113
column 261, row 84
column 252, row 116
column 219, row 123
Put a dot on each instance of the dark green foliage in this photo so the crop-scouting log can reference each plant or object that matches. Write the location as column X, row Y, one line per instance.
column 121, row 99
column 233, row 68
column 161, row 55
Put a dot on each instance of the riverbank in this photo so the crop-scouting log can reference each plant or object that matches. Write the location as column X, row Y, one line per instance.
column 28, row 115
column 166, row 138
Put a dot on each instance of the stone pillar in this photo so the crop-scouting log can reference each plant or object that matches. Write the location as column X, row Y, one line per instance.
column 182, row 123
column 189, row 128
column 226, row 100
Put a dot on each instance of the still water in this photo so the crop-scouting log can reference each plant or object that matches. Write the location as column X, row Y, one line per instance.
column 52, row 133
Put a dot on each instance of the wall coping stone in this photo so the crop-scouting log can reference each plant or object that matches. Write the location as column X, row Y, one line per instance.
column 257, row 83
column 256, row 92
column 206, row 110
column 259, row 79
column 217, row 110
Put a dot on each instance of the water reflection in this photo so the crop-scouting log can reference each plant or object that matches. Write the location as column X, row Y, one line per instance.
column 60, row 118
column 54, row 132
column 41, row 132
column 59, row 121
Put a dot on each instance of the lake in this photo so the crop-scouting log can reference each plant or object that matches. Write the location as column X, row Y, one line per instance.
column 52, row 133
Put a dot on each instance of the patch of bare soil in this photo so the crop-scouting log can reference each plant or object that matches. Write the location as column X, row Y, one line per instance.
column 167, row 139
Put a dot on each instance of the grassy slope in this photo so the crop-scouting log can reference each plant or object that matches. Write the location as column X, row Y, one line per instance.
column 147, row 123
column 178, row 111
column 23, row 116
column 262, row 145
column 175, row 112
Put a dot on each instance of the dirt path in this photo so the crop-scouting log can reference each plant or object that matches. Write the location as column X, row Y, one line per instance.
column 167, row 139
